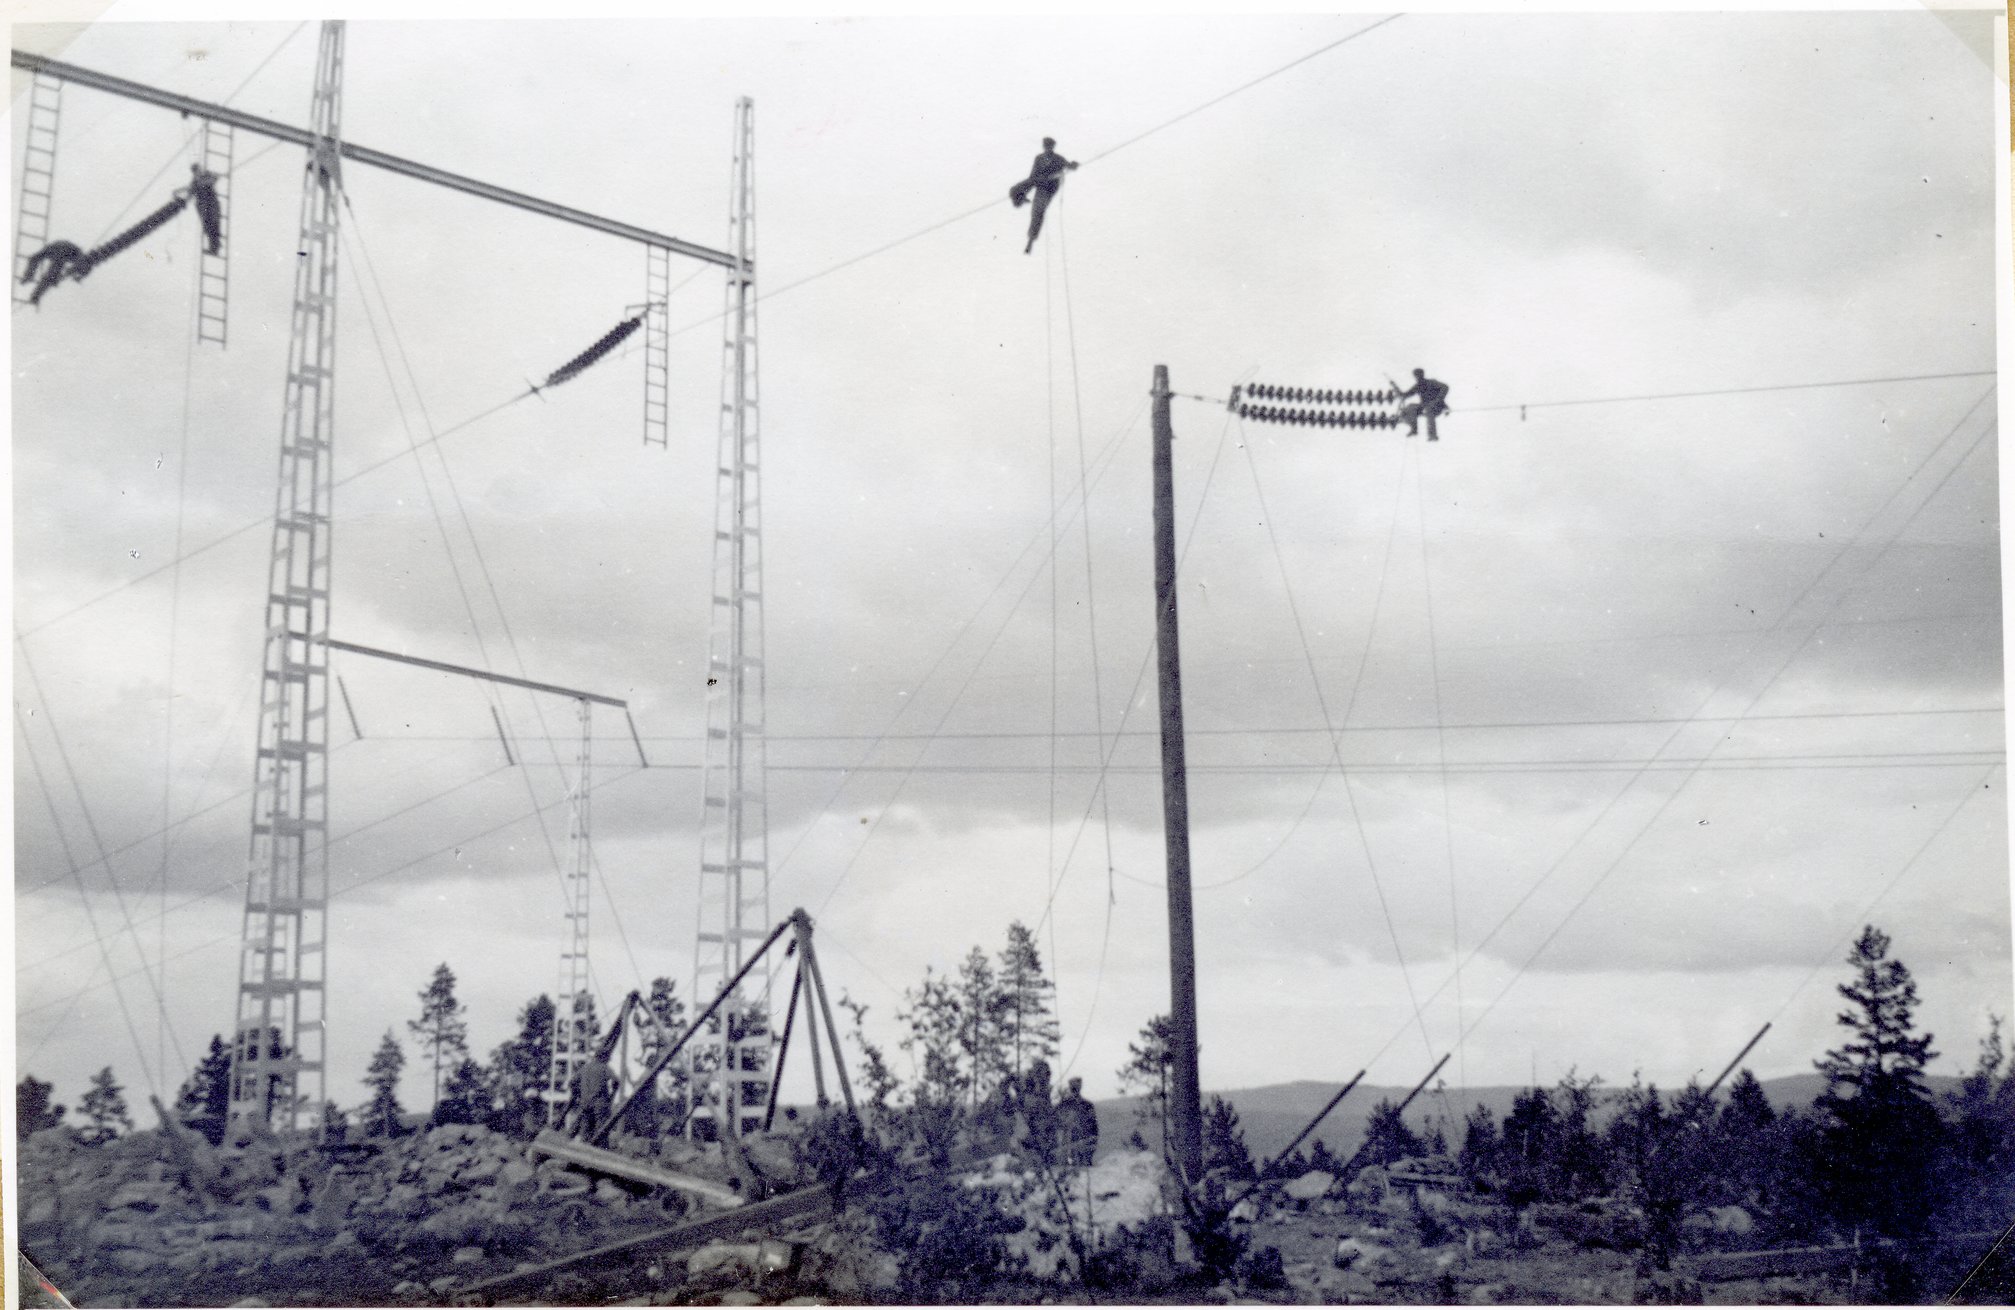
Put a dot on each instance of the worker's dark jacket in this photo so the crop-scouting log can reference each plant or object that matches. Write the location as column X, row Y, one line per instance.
column 1046, row 174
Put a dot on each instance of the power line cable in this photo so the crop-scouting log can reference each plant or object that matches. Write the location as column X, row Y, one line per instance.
column 453, row 846
column 1727, row 391
column 1556, row 865
column 995, row 201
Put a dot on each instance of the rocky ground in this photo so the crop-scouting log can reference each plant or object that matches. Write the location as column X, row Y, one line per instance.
column 143, row 1221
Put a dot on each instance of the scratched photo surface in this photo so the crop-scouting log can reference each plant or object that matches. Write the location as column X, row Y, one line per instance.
column 1584, row 476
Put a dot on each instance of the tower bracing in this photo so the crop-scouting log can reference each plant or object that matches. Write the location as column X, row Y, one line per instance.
column 38, row 178
column 730, row 1069
column 573, row 999
column 279, row 1048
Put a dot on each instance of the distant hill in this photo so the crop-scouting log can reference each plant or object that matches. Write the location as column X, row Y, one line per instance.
column 1271, row 1116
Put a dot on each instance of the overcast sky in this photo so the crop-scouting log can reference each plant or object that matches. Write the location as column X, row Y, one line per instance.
column 1642, row 709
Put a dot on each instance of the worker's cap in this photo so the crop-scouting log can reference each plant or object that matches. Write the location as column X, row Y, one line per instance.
column 1420, row 373
column 1048, row 141
column 1077, row 1082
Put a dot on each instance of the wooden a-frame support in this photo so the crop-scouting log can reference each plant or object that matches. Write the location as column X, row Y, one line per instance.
column 808, row 977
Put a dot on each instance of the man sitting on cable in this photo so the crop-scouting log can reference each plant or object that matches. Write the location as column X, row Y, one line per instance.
column 1432, row 402
column 1040, row 186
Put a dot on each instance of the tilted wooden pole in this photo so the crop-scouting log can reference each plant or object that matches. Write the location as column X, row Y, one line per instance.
column 1186, row 1110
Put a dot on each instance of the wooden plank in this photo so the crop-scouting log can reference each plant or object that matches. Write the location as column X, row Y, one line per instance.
column 1778, row 1263
column 805, row 1203
column 615, row 1163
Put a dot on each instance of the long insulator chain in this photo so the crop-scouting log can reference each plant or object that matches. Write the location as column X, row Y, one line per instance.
column 1320, row 418
column 1304, row 395
column 131, row 236
column 614, row 337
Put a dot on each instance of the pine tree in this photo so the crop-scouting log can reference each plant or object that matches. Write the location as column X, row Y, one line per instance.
column 1147, row 1071
column 932, row 1013
column 204, row 1103
column 877, row 1081
column 104, row 1107
column 466, row 1097
column 1224, row 1140
column 1029, row 1028
column 1387, row 1137
column 668, row 1094
column 980, row 1006
column 442, row 1030
column 1883, row 1134
column 382, row 1116
column 520, row 1068
column 33, row 1110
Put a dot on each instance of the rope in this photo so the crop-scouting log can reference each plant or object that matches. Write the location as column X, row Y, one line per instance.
column 1336, row 749
column 875, row 742
column 495, row 698
column 1356, row 685
column 1441, row 758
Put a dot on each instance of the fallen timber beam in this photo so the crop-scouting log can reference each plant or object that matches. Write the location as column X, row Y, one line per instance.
column 599, row 1160
column 120, row 86
column 1788, row 1260
column 805, row 1203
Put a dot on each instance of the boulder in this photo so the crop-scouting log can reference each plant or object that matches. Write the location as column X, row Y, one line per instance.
column 741, row 1257
column 1310, row 1185
column 1360, row 1256
column 740, row 1297
column 1732, row 1221
column 468, row 1255
column 145, row 1197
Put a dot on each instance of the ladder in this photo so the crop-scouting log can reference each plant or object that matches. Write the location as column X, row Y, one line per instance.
column 213, row 272
column 657, row 366
column 38, row 177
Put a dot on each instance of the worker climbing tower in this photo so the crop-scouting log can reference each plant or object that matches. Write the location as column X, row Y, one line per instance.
column 278, row 1052
column 731, row 1062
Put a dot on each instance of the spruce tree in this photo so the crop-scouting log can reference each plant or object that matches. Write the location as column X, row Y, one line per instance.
column 1883, row 1134
column 33, row 1108
column 1224, row 1140
column 204, row 1103
column 104, row 1108
column 520, row 1068
column 442, row 1030
column 980, row 1006
column 382, row 1116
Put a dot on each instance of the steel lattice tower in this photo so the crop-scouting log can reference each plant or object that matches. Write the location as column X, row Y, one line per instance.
column 573, row 999
column 730, row 1066
column 279, row 1048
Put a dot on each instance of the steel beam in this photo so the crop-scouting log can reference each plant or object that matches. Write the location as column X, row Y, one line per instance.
column 466, row 672
column 120, row 86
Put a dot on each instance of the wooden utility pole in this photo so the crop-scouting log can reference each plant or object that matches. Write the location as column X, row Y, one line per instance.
column 1186, row 1112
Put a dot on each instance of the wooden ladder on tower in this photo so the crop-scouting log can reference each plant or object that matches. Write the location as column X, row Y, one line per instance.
column 213, row 273
column 38, row 178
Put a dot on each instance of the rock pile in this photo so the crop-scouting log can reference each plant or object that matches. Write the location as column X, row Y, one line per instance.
column 135, row 1221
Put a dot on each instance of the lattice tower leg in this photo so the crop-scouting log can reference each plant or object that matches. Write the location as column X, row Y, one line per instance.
column 279, row 1049
column 657, row 340
column 213, row 272
column 38, row 178
column 730, row 1066
column 573, row 999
